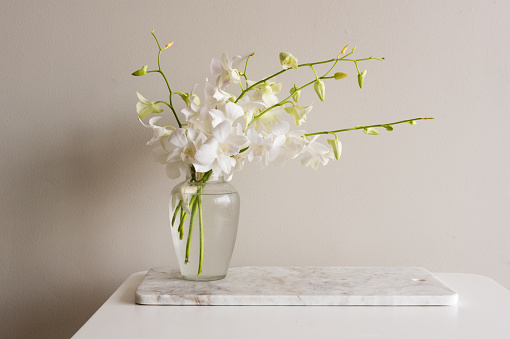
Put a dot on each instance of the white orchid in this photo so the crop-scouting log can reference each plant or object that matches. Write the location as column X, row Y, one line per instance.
column 184, row 195
column 159, row 132
column 225, row 130
column 264, row 147
column 266, row 92
column 293, row 144
column 216, row 153
column 145, row 107
column 316, row 153
column 215, row 95
column 223, row 69
column 250, row 108
column 229, row 112
column 182, row 146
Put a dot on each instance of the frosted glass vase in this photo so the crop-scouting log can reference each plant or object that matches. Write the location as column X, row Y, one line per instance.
column 204, row 217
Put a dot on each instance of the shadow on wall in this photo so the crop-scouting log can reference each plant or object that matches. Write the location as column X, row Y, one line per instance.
column 64, row 235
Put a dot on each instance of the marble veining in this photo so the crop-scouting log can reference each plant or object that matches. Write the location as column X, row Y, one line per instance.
column 308, row 285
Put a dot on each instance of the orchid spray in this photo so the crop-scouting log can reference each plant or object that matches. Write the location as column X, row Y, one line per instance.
column 222, row 131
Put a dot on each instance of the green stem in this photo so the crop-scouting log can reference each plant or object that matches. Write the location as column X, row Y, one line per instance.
column 356, row 63
column 190, row 231
column 315, row 73
column 166, row 81
column 245, row 67
column 175, row 212
column 181, row 223
column 201, row 235
column 363, row 127
column 164, row 102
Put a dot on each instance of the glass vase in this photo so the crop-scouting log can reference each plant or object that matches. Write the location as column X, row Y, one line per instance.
column 204, row 215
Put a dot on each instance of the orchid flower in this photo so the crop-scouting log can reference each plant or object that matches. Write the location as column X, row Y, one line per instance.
column 293, row 143
column 215, row 94
column 216, row 153
column 184, row 194
column 315, row 154
column 160, row 133
column 264, row 147
column 182, row 146
column 230, row 112
column 299, row 113
column 266, row 92
column 145, row 107
column 223, row 69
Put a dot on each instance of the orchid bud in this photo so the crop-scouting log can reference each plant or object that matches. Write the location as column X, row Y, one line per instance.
column 389, row 128
column 141, row 71
column 185, row 98
column 336, row 146
column 361, row 78
column 320, row 89
column 295, row 92
column 288, row 60
column 340, row 75
column 167, row 45
column 412, row 122
column 371, row 131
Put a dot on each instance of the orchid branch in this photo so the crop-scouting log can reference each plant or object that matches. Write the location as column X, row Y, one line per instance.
column 411, row 121
column 302, row 65
column 177, row 208
column 166, row 80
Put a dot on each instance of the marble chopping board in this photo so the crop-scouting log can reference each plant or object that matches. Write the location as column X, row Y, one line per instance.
column 275, row 285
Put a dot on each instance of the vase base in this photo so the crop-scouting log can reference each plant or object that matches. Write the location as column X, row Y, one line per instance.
column 203, row 278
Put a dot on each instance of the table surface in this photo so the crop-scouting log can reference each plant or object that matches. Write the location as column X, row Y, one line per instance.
column 483, row 311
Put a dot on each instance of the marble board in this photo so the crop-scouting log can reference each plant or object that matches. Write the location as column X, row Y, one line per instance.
column 307, row 285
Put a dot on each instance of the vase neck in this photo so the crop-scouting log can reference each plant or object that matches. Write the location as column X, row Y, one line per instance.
column 195, row 176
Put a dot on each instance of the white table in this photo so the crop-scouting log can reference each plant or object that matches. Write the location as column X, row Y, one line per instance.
column 483, row 311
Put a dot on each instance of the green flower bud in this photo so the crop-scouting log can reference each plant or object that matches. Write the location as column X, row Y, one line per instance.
column 336, row 146
column 295, row 93
column 389, row 128
column 141, row 71
column 185, row 97
column 412, row 122
column 361, row 78
column 371, row 131
column 288, row 60
column 320, row 89
column 340, row 75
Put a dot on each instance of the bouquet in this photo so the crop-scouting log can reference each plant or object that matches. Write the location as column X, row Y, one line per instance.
column 238, row 120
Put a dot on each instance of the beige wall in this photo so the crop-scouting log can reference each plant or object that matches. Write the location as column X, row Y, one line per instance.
column 83, row 206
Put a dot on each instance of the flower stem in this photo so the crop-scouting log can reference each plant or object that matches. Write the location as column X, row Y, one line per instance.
column 201, row 235
column 190, row 232
column 163, row 102
column 363, row 127
column 166, row 81
column 177, row 208
column 181, row 223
